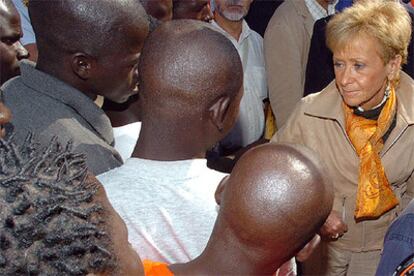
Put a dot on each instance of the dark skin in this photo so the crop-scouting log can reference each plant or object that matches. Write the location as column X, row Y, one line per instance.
column 95, row 65
column 11, row 50
column 271, row 205
column 32, row 49
column 125, row 113
column 5, row 115
column 159, row 9
column 192, row 9
column 184, row 113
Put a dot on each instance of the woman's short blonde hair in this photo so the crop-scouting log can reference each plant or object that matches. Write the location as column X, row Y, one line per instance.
column 385, row 20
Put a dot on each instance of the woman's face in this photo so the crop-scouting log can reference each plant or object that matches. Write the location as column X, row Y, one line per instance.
column 360, row 73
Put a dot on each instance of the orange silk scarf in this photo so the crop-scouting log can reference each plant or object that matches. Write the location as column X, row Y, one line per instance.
column 156, row 269
column 374, row 196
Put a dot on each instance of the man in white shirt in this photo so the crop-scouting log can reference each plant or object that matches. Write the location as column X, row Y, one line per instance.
column 229, row 20
column 190, row 94
column 286, row 47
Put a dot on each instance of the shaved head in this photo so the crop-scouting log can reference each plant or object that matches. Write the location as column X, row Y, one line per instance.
column 92, row 27
column 93, row 46
column 276, row 198
column 185, row 66
column 191, row 80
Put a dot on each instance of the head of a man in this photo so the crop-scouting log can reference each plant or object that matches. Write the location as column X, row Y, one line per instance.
column 232, row 10
column 11, row 50
column 159, row 9
column 273, row 203
column 56, row 218
column 192, row 9
column 91, row 45
column 190, row 82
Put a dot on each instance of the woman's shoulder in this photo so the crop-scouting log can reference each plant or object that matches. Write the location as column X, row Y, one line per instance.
column 323, row 103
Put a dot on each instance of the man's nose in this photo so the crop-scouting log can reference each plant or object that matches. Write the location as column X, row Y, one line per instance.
column 21, row 52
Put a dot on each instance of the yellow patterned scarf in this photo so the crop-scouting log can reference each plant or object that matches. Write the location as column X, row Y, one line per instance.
column 375, row 196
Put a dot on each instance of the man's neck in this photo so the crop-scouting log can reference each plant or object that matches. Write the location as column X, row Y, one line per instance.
column 59, row 72
column 221, row 259
column 233, row 28
column 165, row 144
column 323, row 4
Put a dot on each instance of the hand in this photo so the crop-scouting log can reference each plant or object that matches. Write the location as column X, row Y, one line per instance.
column 307, row 250
column 5, row 116
column 334, row 227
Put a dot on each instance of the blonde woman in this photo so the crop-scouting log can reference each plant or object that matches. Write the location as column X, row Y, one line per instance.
column 362, row 125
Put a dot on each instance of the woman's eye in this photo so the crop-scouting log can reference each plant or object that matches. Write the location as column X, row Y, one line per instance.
column 359, row 66
column 338, row 64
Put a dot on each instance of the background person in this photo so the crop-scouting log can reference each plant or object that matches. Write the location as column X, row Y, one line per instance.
column 286, row 46
column 81, row 55
column 28, row 40
column 11, row 50
column 192, row 9
column 398, row 242
column 165, row 191
column 361, row 127
column 229, row 20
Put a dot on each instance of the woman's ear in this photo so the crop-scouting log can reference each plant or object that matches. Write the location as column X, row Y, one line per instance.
column 394, row 66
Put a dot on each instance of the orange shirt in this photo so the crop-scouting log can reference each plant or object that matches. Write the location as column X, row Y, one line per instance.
column 156, row 269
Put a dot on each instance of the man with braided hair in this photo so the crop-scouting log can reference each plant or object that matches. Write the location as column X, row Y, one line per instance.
column 55, row 217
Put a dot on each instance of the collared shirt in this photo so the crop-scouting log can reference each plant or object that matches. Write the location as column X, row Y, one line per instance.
column 250, row 125
column 48, row 107
column 317, row 11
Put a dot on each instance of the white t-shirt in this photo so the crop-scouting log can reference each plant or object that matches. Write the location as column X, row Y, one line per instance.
column 125, row 138
column 168, row 206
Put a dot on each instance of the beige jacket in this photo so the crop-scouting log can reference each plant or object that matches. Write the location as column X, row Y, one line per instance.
column 286, row 46
column 318, row 122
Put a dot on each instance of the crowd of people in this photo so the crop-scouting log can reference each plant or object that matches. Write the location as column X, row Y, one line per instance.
column 167, row 137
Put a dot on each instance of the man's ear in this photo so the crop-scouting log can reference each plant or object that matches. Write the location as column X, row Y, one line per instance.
column 220, row 189
column 82, row 65
column 218, row 112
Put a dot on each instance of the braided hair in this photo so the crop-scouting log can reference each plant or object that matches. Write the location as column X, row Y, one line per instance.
column 49, row 223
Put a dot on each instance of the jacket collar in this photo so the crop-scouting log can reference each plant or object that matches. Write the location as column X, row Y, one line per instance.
column 48, row 85
column 302, row 10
